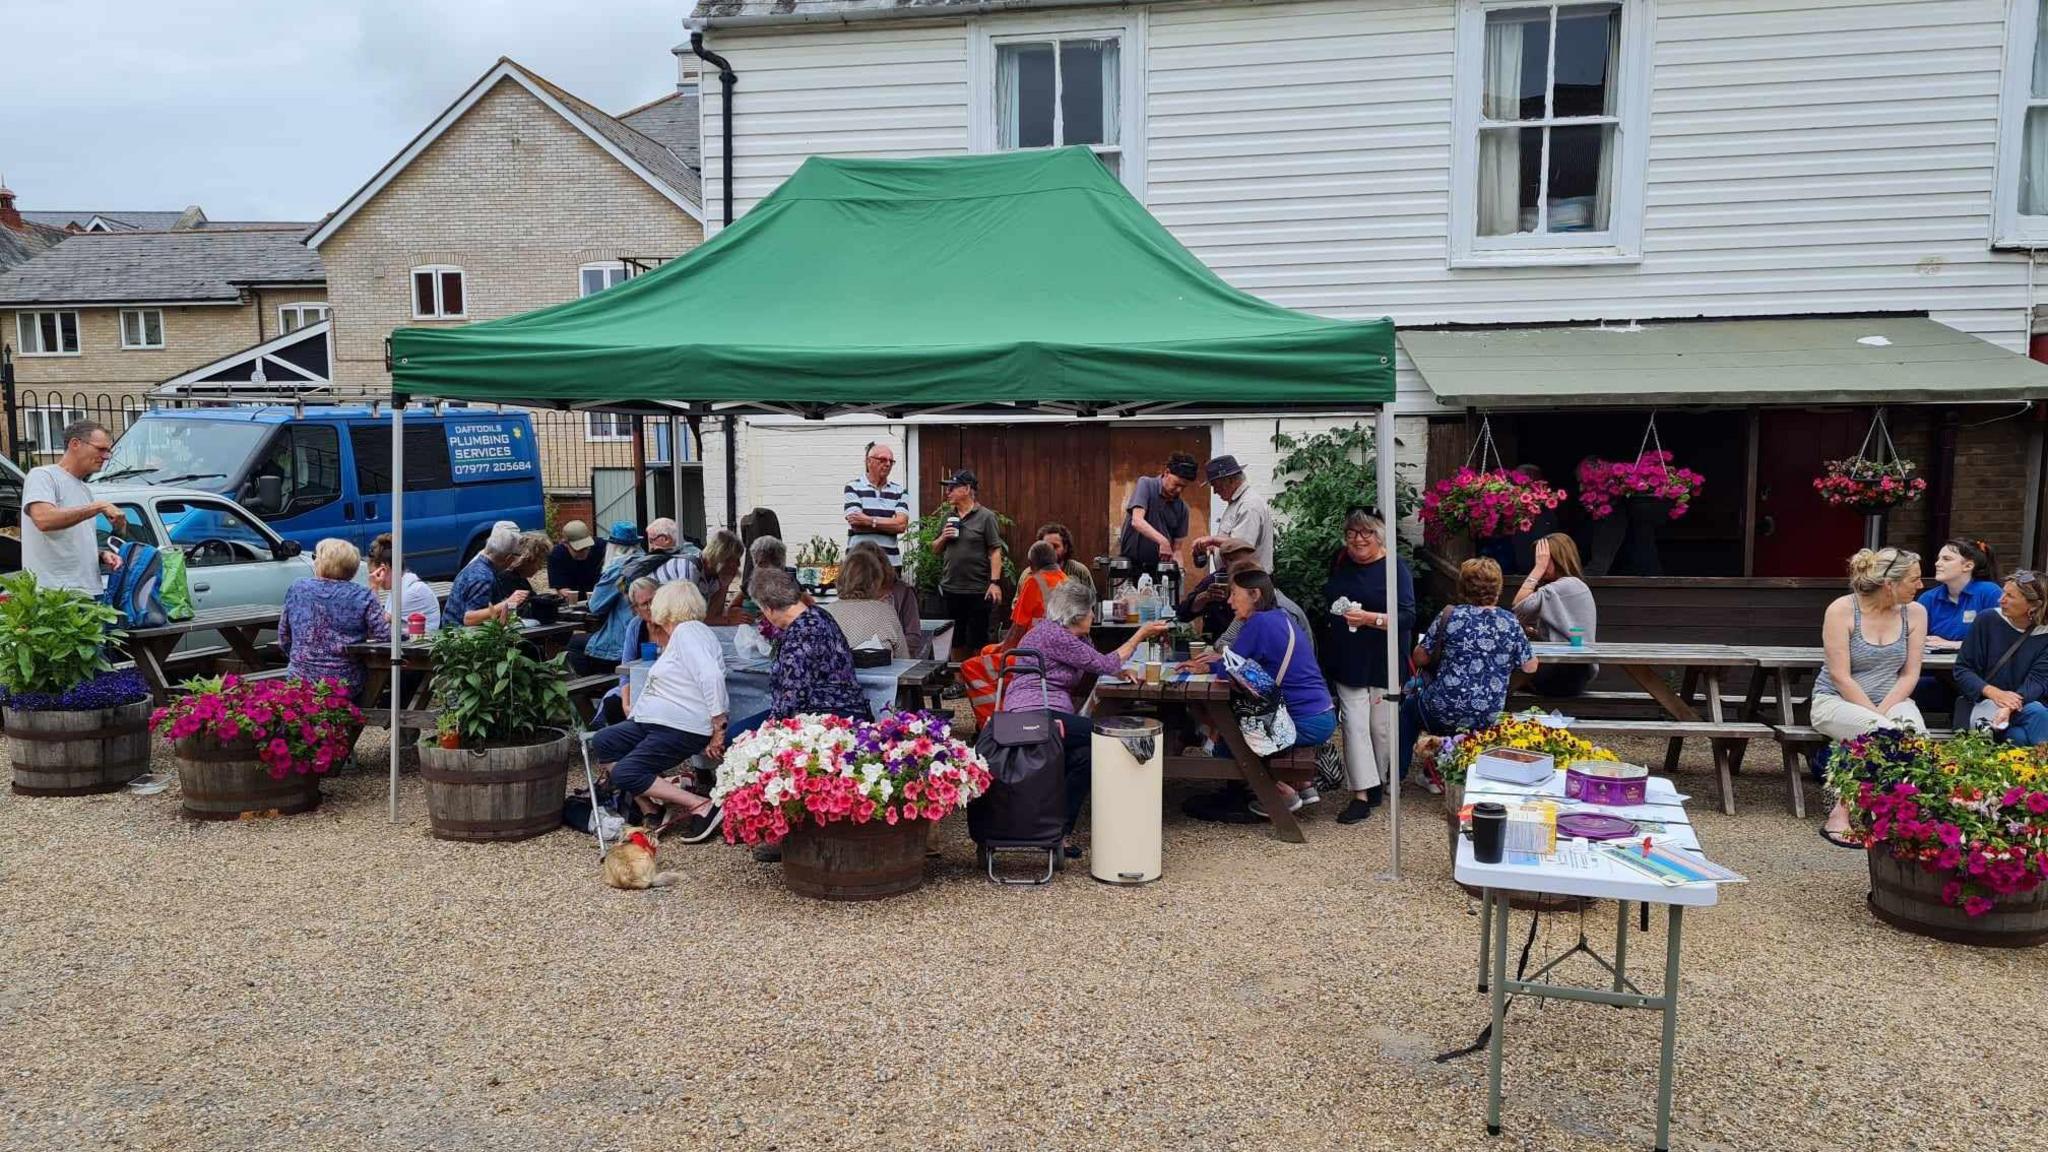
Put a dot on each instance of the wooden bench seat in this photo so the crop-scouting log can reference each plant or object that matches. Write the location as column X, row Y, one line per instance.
column 1725, row 730
column 420, row 719
column 1795, row 741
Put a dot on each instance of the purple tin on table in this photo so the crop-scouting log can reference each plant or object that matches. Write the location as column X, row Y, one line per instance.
column 1606, row 782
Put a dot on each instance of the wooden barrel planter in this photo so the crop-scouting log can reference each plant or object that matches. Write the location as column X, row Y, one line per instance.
column 848, row 861
column 61, row 753
column 1908, row 897
column 225, row 781
column 1454, row 799
column 508, row 792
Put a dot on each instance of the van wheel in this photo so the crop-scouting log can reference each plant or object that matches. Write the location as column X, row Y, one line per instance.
column 475, row 545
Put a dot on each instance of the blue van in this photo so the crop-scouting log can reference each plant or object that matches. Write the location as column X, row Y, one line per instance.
column 316, row 472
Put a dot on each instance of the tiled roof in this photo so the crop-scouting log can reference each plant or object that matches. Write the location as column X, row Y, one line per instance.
column 671, row 121
column 648, row 152
column 33, row 240
column 149, row 221
column 170, row 267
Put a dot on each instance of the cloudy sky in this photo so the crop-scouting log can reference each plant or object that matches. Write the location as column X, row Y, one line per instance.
column 270, row 110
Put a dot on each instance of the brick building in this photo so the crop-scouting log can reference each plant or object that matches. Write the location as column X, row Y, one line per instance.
column 97, row 321
column 519, row 196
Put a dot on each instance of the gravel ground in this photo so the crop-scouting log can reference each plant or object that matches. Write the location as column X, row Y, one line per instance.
column 336, row 981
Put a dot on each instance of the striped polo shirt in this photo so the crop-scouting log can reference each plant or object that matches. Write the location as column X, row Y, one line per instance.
column 881, row 502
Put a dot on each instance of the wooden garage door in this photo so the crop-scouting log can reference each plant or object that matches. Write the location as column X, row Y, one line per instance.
column 1075, row 474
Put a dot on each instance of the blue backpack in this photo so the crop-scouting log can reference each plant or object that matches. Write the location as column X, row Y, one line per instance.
column 133, row 589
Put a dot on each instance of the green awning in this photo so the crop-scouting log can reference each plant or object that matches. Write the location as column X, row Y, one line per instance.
column 993, row 283
column 1845, row 360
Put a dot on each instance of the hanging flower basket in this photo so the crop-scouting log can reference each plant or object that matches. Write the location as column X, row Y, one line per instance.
column 1869, row 486
column 1605, row 483
column 1867, row 483
column 1492, row 503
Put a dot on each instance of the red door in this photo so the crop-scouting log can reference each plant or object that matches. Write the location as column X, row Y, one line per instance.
column 1796, row 533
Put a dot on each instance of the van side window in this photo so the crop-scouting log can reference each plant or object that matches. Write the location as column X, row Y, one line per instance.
column 307, row 457
column 426, row 458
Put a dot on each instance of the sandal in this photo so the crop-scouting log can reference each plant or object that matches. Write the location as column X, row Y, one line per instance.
column 1834, row 837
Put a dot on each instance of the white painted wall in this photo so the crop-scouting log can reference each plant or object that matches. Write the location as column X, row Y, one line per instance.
column 1806, row 157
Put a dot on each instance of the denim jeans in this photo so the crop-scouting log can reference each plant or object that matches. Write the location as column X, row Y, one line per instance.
column 2029, row 726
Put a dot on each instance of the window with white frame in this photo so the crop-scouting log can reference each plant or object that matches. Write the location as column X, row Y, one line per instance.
column 1553, row 119
column 46, row 333
column 595, row 278
column 292, row 317
column 607, row 426
column 142, row 328
column 438, row 293
column 2021, row 212
column 1056, row 82
column 44, row 427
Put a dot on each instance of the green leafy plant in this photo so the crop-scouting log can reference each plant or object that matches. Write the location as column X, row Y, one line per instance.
column 56, row 638
column 1319, row 479
column 818, row 552
column 491, row 690
column 921, row 565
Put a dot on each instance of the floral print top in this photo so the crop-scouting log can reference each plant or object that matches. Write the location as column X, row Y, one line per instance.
column 1474, row 651
column 813, row 671
column 322, row 617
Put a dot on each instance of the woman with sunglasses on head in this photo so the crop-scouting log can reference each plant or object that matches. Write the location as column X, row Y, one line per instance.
column 1873, row 638
column 1353, row 652
column 2002, row 671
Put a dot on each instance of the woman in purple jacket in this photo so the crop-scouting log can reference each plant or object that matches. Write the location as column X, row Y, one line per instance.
column 1060, row 638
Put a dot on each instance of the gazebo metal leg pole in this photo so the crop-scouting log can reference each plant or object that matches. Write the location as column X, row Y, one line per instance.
column 1666, row 1053
column 1390, row 704
column 397, row 592
column 1500, row 1009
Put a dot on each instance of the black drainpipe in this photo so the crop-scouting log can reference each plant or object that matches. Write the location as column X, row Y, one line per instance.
column 726, row 81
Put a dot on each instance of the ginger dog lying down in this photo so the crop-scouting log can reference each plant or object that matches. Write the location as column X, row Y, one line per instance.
column 630, row 864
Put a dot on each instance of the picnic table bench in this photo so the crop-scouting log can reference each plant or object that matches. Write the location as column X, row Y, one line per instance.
column 1207, row 699
column 240, row 625
column 1698, row 667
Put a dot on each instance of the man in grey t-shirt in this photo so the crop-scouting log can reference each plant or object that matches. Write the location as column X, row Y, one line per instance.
column 57, row 511
column 1155, row 517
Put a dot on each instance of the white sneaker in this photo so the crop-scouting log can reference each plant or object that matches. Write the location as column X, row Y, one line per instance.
column 1293, row 805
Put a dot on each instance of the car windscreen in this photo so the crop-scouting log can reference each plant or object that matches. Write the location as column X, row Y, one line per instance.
column 193, row 453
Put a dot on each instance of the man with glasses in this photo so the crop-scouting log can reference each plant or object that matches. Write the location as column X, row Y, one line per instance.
column 57, row 512
column 877, row 510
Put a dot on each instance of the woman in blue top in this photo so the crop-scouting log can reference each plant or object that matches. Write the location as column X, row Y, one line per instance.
column 1473, row 648
column 1965, row 587
column 1965, row 583
column 1264, row 637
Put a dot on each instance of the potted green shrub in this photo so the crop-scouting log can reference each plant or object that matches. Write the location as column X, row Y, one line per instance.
column 75, row 724
column 505, row 771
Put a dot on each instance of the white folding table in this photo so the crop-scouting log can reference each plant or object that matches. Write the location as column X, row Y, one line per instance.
column 1603, row 880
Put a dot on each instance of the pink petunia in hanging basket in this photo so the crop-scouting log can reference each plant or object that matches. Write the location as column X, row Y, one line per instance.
column 1862, row 483
column 1498, row 502
column 1652, row 476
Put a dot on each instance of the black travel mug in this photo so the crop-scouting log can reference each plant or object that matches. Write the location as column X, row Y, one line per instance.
column 1489, row 832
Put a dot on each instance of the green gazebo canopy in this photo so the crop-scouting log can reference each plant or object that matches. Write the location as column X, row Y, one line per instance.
column 1028, row 280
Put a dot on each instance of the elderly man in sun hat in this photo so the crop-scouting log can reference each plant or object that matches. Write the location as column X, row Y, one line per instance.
column 1245, row 515
column 574, row 563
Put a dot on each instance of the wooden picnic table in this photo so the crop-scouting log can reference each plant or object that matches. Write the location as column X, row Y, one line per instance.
column 1782, row 667
column 417, row 655
column 1206, row 699
column 239, row 625
column 1698, row 666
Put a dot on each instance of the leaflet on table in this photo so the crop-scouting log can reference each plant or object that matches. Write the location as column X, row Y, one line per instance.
column 1668, row 866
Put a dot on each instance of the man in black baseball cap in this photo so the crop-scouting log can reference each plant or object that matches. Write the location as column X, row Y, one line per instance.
column 970, row 548
column 1155, row 517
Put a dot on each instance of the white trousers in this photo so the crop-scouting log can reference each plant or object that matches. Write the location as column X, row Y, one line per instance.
column 1837, row 719
column 1365, row 733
